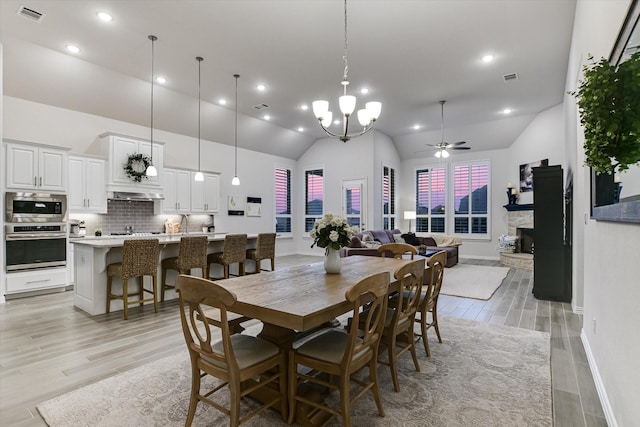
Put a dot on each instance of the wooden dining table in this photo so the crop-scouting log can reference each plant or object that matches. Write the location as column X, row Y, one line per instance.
column 296, row 301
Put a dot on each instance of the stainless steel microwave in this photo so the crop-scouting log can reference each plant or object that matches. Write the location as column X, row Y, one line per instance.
column 35, row 207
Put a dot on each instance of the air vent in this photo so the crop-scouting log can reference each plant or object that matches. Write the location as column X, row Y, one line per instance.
column 30, row 14
column 260, row 106
column 509, row 77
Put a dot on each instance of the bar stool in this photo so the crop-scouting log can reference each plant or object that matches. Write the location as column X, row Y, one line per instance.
column 192, row 254
column 139, row 259
column 265, row 249
column 234, row 251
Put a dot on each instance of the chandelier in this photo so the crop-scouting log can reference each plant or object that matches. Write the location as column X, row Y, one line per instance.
column 347, row 104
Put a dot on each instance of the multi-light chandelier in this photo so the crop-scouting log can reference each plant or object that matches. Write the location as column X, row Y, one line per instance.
column 347, row 103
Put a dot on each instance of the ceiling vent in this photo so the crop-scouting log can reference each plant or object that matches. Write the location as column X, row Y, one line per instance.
column 509, row 77
column 260, row 106
column 30, row 14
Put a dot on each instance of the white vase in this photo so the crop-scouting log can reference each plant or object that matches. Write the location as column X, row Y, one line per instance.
column 332, row 261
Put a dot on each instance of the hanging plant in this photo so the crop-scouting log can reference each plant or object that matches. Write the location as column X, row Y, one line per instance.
column 136, row 167
column 609, row 108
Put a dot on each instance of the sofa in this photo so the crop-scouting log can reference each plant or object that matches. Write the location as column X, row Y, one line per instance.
column 366, row 243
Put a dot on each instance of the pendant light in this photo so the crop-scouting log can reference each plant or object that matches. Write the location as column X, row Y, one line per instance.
column 199, row 176
column 151, row 170
column 236, row 180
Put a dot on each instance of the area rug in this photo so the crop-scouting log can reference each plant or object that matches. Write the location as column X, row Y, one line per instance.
column 481, row 375
column 473, row 281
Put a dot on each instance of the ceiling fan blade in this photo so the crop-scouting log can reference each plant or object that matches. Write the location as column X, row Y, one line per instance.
column 452, row 144
column 459, row 148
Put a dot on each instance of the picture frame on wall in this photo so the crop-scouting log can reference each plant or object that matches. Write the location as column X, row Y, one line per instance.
column 526, row 174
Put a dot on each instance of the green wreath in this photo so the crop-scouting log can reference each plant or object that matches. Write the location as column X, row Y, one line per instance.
column 136, row 167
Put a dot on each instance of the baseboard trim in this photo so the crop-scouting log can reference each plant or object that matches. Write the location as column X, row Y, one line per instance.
column 577, row 310
column 597, row 379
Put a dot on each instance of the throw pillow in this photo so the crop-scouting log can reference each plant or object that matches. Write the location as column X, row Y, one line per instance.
column 366, row 237
column 398, row 238
column 355, row 242
column 411, row 239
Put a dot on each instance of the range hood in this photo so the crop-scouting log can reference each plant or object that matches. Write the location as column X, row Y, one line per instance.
column 122, row 195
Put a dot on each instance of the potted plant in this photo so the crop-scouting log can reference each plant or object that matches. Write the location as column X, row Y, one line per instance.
column 609, row 107
column 98, row 232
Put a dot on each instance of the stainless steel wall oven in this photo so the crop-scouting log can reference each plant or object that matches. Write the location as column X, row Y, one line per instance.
column 30, row 247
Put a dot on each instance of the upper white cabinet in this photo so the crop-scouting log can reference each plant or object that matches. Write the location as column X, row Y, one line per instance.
column 34, row 167
column 118, row 148
column 177, row 191
column 205, row 195
column 87, row 185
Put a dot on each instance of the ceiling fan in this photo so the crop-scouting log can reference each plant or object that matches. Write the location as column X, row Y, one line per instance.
column 442, row 147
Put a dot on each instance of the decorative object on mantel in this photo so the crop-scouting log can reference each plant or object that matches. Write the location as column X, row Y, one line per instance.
column 609, row 106
column 512, row 194
column 332, row 232
column 526, row 174
column 347, row 104
column 151, row 170
column 137, row 166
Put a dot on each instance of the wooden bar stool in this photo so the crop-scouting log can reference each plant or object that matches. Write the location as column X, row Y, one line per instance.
column 192, row 254
column 139, row 259
column 234, row 251
column 265, row 249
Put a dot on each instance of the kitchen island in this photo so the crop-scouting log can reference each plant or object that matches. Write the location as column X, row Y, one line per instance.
column 92, row 255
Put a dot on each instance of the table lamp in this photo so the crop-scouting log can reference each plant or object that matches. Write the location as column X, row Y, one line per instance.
column 409, row 215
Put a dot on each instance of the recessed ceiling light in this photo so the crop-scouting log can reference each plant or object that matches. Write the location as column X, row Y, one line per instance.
column 487, row 58
column 266, row 117
column 304, row 107
column 507, row 111
column 104, row 16
column 261, row 87
column 336, row 122
column 73, row 48
column 364, row 90
column 222, row 101
column 416, row 127
column 161, row 80
column 300, row 129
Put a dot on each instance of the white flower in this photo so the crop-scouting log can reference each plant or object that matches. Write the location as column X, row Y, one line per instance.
column 334, row 236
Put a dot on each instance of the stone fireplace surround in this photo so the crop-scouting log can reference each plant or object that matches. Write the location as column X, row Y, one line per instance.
column 518, row 219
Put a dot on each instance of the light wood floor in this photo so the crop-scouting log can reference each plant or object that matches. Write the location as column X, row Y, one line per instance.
column 48, row 347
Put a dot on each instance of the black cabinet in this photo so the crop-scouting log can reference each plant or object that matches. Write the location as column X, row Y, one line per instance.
column 550, row 278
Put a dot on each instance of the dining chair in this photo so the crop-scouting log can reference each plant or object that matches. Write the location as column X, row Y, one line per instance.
column 139, row 259
column 340, row 354
column 397, row 249
column 234, row 251
column 397, row 334
column 243, row 363
column 191, row 254
column 429, row 299
column 265, row 249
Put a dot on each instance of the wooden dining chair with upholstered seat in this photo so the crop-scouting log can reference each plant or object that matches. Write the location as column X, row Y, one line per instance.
column 397, row 334
column 234, row 251
column 265, row 249
column 192, row 254
column 139, row 259
column 429, row 299
column 244, row 363
column 340, row 354
column 397, row 249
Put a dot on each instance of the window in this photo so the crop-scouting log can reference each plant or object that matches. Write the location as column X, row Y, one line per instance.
column 283, row 200
column 471, row 198
column 388, row 198
column 431, row 196
column 313, row 197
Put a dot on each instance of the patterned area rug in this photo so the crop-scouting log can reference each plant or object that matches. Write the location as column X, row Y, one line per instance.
column 473, row 281
column 482, row 375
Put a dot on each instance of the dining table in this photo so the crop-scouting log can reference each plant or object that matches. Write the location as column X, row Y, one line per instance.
column 300, row 300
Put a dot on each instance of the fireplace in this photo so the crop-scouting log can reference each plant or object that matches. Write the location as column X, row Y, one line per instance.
column 525, row 239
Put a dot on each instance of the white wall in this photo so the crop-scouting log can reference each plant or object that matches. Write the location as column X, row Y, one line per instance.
column 385, row 154
column 79, row 131
column 609, row 259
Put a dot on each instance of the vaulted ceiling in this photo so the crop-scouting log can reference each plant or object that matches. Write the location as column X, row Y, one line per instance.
column 409, row 54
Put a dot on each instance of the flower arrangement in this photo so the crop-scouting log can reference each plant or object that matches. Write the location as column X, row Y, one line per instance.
column 136, row 166
column 332, row 231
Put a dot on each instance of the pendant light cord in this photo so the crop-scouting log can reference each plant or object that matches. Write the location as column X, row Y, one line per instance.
column 346, row 61
column 199, row 59
column 153, row 39
column 236, row 125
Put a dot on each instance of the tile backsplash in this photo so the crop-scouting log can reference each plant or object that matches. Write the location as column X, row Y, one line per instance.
column 136, row 213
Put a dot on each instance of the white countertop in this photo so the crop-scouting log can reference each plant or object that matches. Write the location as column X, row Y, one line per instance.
column 116, row 241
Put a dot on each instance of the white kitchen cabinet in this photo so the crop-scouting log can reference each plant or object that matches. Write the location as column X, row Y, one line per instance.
column 87, row 185
column 118, row 148
column 177, row 191
column 46, row 278
column 35, row 167
column 205, row 195
column 71, row 272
